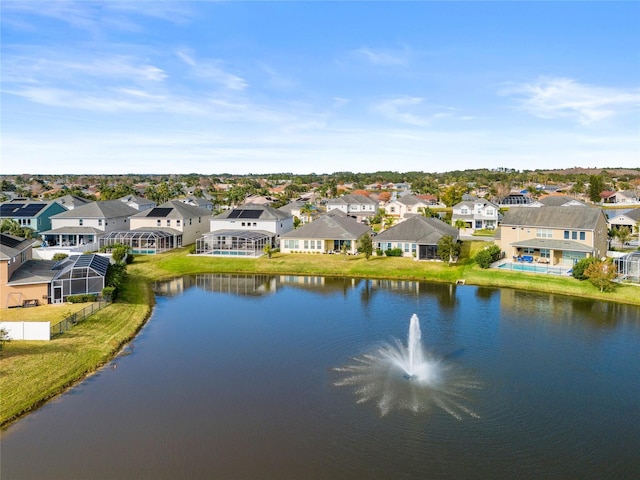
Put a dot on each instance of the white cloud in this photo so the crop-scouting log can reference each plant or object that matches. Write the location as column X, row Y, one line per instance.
column 383, row 57
column 566, row 98
column 412, row 111
column 212, row 69
column 93, row 16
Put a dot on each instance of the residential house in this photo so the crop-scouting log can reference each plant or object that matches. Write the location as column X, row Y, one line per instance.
column 80, row 229
column 560, row 201
column 16, row 254
column 33, row 214
column 199, row 202
column 358, row 206
column 302, row 210
column 623, row 196
column 327, row 234
column 406, row 205
column 417, row 237
column 168, row 226
column 244, row 231
column 138, row 202
column 554, row 235
column 25, row 281
column 476, row 213
column 624, row 218
column 69, row 202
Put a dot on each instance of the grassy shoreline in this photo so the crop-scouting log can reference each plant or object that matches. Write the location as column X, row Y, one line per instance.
column 31, row 373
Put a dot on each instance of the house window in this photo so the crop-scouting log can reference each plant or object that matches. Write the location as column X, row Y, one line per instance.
column 190, row 221
column 319, row 244
column 566, row 234
column 464, row 211
column 489, row 211
column 158, row 222
column 544, row 233
column 583, row 236
column 178, row 223
column 406, row 247
column 545, row 253
column 80, row 222
column 574, row 235
column 392, row 209
column 306, row 244
column 168, row 222
column 291, row 243
column 244, row 224
column 255, row 224
column 528, row 251
column 99, row 222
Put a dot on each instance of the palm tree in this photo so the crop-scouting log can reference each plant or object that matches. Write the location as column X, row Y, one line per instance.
column 459, row 224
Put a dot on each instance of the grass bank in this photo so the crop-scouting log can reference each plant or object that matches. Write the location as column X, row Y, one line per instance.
column 178, row 262
column 32, row 372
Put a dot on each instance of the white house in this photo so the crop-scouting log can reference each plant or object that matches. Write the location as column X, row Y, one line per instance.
column 476, row 213
column 359, row 206
column 244, row 231
column 406, row 205
column 81, row 228
column 137, row 202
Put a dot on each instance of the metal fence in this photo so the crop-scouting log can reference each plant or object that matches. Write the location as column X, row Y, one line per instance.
column 67, row 323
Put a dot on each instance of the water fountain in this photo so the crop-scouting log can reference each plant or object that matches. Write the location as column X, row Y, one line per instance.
column 399, row 377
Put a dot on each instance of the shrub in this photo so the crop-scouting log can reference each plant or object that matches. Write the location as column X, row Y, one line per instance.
column 192, row 249
column 109, row 293
column 379, row 252
column 488, row 255
column 581, row 266
column 59, row 256
column 393, row 252
column 82, row 298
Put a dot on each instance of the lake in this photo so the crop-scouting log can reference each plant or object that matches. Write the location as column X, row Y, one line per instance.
column 288, row 377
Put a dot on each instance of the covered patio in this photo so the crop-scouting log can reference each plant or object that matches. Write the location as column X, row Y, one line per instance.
column 241, row 243
column 145, row 242
column 70, row 236
column 549, row 252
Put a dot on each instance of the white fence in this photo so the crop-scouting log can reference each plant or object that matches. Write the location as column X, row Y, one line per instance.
column 47, row 253
column 27, row 330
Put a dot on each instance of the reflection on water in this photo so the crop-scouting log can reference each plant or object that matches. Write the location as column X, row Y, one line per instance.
column 257, row 285
column 234, row 376
column 560, row 308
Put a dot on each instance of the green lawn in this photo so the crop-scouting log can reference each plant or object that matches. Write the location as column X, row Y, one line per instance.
column 32, row 372
column 41, row 313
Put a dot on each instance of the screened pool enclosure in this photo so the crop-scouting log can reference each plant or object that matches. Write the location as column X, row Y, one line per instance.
column 143, row 241
column 241, row 243
column 629, row 267
column 77, row 275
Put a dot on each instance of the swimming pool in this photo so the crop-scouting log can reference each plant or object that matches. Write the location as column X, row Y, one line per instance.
column 522, row 267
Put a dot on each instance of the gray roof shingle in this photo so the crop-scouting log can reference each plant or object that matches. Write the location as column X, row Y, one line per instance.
column 580, row 218
column 330, row 227
column 418, row 229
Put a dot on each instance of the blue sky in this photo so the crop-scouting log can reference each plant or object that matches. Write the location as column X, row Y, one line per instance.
column 259, row 87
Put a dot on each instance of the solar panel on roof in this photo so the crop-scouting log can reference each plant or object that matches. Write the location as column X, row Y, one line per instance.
column 30, row 209
column 250, row 213
column 234, row 214
column 7, row 209
column 159, row 212
column 10, row 241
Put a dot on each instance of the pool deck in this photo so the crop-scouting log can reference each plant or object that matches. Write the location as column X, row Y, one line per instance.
column 532, row 267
